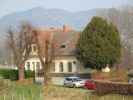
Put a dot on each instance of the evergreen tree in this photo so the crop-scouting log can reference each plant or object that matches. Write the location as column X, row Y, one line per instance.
column 99, row 44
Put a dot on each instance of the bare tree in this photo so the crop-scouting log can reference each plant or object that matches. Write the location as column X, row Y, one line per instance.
column 45, row 54
column 20, row 45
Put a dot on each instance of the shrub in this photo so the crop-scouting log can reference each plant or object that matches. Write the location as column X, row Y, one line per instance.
column 29, row 74
column 13, row 74
column 9, row 74
column 113, row 87
column 119, row 75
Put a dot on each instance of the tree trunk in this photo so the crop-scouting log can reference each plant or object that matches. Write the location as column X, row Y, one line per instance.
column 21, row 73
column 46, row 81
column 46, row 64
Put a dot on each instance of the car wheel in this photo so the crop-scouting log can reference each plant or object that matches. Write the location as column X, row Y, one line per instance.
column 74, row 86
column 65, row 84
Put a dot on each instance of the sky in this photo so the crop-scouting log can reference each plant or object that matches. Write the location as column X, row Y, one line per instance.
column 10, row 6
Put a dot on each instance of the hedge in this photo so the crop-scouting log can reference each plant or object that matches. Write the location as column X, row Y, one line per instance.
column 113, row 87
column 12, row 74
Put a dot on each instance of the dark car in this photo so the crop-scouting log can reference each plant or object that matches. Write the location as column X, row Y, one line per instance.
column 90, row 84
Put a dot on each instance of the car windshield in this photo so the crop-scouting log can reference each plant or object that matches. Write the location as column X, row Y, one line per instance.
column 77, row 79
column 73, row 79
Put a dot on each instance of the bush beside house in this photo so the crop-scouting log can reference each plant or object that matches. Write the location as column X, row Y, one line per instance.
column 115, row 75
column 13, row 74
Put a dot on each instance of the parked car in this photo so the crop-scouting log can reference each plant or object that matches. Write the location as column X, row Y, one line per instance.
column 90, row 84
column 74, row 82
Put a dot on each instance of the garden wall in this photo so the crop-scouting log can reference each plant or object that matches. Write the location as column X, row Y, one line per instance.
column 103, row 87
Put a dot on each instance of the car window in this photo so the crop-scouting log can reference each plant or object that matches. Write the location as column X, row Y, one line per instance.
column 72, row 79
column 68, row 79
column 76, row 79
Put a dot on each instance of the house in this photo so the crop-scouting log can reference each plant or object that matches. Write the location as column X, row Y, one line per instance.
column 64, row 61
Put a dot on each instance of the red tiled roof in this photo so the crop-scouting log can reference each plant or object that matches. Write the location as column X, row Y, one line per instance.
column 58, row 38
column 66, row 39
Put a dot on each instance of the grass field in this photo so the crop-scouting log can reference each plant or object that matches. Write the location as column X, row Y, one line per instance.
column 61, row 93
column 17, row 91
column 30, row 91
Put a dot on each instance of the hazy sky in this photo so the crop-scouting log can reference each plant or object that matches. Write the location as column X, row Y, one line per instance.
column 9, row 6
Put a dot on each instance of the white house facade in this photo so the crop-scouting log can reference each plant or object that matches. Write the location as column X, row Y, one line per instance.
column 65, row 65
column 64, row 62
column 33, row 64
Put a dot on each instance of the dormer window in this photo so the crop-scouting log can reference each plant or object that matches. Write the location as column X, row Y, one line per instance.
column 34, row 48
column 63, row 46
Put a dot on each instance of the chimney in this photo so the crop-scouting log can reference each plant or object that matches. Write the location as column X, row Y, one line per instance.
column 66, row 28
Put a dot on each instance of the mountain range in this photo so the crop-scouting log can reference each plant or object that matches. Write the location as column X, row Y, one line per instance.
column 42, row 17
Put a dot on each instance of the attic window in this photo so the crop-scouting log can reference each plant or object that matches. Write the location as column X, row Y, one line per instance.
column 63, row 46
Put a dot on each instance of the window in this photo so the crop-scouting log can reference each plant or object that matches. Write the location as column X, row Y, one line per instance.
column 34, row 48
column 74, row 62
column 38, row 65
column 28, row 65
column 68, row 79
column 61, row 67
column 33, row 64
column 69, row 66
column 63, row 46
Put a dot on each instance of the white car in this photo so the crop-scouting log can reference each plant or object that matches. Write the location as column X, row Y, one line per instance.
column 131, row 81
column 74, row 82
